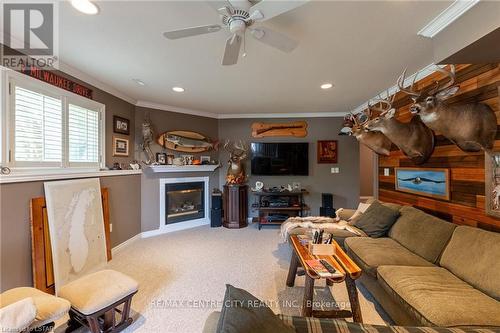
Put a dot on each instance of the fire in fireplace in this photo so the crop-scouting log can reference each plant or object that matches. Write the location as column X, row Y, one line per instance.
column 184, row 201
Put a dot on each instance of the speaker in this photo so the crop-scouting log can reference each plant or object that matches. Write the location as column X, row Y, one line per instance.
column 217, row 200
column 327, row 200
column 216, row 218
column 327, row 212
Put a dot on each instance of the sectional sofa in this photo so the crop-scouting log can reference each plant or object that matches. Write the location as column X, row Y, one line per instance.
column 429, row 272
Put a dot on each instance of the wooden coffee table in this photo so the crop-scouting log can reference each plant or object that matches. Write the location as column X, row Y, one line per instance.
column 341, row 261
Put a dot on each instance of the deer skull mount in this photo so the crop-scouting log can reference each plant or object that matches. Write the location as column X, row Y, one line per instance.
column 414, row 139
column 236, row 169
column 376, row 141
column 470, row 126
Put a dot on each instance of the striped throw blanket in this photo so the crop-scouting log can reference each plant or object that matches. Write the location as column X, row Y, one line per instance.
column 317, row 325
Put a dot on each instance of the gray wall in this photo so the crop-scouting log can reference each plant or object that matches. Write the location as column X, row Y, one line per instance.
column 344, row 186
column 169, row 121
column 366, row 170
column 15, row 235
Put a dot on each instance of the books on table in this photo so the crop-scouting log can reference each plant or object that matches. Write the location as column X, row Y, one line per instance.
column 321, row 270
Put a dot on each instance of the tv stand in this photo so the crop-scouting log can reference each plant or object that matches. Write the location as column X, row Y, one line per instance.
column 275, row 207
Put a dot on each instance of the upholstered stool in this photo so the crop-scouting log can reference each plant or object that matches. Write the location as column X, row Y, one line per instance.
column 48, row 307
column 96, row 298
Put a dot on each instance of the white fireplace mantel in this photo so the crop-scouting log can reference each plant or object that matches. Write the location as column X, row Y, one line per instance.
column 183, row 168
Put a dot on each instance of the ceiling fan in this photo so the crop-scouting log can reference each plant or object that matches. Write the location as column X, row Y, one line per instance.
column 237, row 17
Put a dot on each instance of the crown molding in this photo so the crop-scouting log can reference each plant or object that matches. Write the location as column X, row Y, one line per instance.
column 446, row 17
column 424, row 72
column 281, row 115
column 177, row 109
column 65, row 68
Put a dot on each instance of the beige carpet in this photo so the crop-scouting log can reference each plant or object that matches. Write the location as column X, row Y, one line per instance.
column 182, row 277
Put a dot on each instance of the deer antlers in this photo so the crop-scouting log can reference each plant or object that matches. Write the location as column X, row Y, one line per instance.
column 401, row 81
column 450, row 74
column 385, row 104
column 238, row 149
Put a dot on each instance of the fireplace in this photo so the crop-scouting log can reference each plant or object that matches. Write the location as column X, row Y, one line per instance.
column 184, row 201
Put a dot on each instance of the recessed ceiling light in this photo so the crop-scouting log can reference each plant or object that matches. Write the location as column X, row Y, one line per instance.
column 178, row 89
column 326, row 86
column 85, row 6
column 139, row 82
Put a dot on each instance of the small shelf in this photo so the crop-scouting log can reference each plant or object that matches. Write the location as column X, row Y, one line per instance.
column 298, row 208
column 284, row 193
column 182, row 168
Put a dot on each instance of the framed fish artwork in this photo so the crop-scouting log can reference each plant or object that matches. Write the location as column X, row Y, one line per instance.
column 429, row 182
column 186, row 141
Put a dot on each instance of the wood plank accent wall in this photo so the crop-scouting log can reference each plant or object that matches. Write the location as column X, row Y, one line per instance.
column 467, row 170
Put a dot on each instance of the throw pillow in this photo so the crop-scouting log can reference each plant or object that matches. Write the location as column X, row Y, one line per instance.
column 377, row 220
column 362, row 207
column 244, row 313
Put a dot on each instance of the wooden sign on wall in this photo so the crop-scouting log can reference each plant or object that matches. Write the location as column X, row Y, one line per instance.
column 56, row 80
column 296, row 129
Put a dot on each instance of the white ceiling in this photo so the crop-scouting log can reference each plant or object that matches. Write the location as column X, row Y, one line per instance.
column 361, row 47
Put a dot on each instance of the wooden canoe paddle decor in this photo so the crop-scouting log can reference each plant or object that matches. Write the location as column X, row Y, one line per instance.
column 186, row 142
column 296, row 129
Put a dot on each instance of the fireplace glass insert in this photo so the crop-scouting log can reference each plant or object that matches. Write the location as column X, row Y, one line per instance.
column 184, row 201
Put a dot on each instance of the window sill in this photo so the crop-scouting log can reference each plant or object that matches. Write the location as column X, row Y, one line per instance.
column 20, row 177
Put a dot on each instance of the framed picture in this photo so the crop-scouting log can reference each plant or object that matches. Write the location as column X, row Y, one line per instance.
column 161, row 158
column 205, row 159
column 121, row 125
column 492, row 181
column 327, row 151
column 429, row 182
column 120, row 146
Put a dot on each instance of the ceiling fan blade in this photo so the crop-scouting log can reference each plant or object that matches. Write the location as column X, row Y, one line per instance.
column 274, row 39
column 220, row 6
column 194, row 31
column 232, row 50
column 272, row 8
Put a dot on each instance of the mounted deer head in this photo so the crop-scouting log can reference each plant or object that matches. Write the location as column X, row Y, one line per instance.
column 376, row 141
column 414, row 139
column 236, row 169
column 470, row 126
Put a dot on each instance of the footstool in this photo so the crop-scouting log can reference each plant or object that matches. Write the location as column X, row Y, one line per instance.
column 96, row 298
column 48, row 308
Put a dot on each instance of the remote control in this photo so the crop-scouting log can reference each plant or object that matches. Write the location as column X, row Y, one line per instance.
column 328, row 267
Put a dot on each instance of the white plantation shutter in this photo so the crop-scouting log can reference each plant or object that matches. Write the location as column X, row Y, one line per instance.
column 38, row 127
column 83, row 133
column 52, row 128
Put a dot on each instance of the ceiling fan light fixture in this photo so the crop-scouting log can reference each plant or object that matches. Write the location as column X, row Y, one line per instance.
column 178, row 89
column 258, row 33
column 327, row 85
column 85, row 6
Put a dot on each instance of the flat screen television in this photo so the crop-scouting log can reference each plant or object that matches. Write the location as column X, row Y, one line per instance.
column 287, row 158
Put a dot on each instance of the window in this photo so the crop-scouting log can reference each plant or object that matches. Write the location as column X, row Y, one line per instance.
column 52, row 128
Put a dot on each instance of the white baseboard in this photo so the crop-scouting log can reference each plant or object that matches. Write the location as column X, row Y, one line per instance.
column 121, row 246
column 175, row 227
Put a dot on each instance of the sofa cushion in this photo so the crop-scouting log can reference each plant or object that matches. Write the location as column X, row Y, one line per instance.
column 371, row 253
column 438, row 298
column 377, row 220
column 421, row 233
column 474, row 256
column 244, row 313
